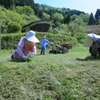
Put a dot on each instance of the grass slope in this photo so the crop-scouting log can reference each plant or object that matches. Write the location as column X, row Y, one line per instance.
column 71, row 76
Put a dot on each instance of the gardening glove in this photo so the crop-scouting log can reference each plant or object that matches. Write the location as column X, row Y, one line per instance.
column 24, row 57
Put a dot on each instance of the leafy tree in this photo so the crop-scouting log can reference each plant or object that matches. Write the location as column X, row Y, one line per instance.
column 46, row 16
column 73, row 17
column 12, row 16
column 85, row 18
column 24, row 2
column 74, row 28
column 14, row 27
column 79, row 21
column 7, row 3
column 57, row 18
column 25, row 10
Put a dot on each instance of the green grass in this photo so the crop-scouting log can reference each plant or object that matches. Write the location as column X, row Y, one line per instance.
column 71, row 76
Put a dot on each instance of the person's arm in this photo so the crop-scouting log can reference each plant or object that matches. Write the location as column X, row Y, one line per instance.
column 33, row 53
column 20, row 46
column 48, row 41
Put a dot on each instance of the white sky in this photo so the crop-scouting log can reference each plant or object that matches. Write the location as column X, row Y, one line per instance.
column 88, row 6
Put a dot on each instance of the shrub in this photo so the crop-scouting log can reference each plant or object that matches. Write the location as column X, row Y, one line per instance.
column 10, row 41
column 13, row 27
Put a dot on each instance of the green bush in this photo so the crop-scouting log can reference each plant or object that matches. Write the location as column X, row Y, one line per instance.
column 13, row 27
column 10, row 41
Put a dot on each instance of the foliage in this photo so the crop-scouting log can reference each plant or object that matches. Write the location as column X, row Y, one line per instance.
column 85, row 18
column 7, row 5
column 14, row 27
column 63, row 26
column 73, row 17
column 27, row 10
column 8, row 16
column 67, row 19
column 10, row 41
column 24, row 2
column 74, row 28
column 97, row 16
column 46, row 16
column 23, row 60
column 53, row 31
column 79, row 21
column 57, row 18
column 91, row 20
column 80, row 37
column 44, row 12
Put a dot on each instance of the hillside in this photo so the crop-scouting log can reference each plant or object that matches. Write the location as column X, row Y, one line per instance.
column 16, row 3
column 71, row 76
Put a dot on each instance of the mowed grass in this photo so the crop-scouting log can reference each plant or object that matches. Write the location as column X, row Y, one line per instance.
column 71, row 76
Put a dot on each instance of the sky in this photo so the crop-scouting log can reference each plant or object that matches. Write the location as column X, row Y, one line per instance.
column 88, row 6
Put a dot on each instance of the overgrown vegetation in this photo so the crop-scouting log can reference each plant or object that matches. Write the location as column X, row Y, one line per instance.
column 24, row 12
column 10, row 41
column 72, row 76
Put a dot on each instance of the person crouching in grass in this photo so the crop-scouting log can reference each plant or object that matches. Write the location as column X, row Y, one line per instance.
column 26, row 47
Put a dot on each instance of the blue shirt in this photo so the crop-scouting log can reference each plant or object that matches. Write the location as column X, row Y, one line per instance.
column 45, row 42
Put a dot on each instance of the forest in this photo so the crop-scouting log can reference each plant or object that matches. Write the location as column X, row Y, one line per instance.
column 17, row 13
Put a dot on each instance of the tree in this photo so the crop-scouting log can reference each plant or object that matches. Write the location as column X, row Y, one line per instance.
column 46, row 16
column 79, row 21
column 57, row 18
column 97, row 16
column 74, row 28
column 14, row 27
column 40, row 15
column 25, row 10
column 7, row 3
column 73, row 17
column 91, row 20
column 85, row 18
column 67, row 18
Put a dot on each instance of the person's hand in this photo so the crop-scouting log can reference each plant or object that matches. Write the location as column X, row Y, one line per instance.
column 24, row 57
column 52, row 44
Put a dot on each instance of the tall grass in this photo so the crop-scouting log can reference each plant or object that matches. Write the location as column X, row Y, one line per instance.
column 71, row 76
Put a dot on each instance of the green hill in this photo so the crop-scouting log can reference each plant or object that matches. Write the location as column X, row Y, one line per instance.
column 72, row 76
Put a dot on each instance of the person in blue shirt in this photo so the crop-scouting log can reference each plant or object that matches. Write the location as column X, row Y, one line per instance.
column 44, row 42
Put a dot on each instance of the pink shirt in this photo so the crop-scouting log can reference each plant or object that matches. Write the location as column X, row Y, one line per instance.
column 20, row 51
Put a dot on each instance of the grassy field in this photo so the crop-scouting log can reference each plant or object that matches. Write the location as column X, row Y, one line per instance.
column 71, row 76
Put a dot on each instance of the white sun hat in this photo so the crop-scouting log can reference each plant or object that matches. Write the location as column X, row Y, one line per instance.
column 90, row 38
column 88, row 41
column 30, row 36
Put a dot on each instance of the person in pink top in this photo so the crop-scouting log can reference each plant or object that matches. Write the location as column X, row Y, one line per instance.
column 26, row 46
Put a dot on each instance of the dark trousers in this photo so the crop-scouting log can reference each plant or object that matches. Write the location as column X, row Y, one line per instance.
column 43, row 49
